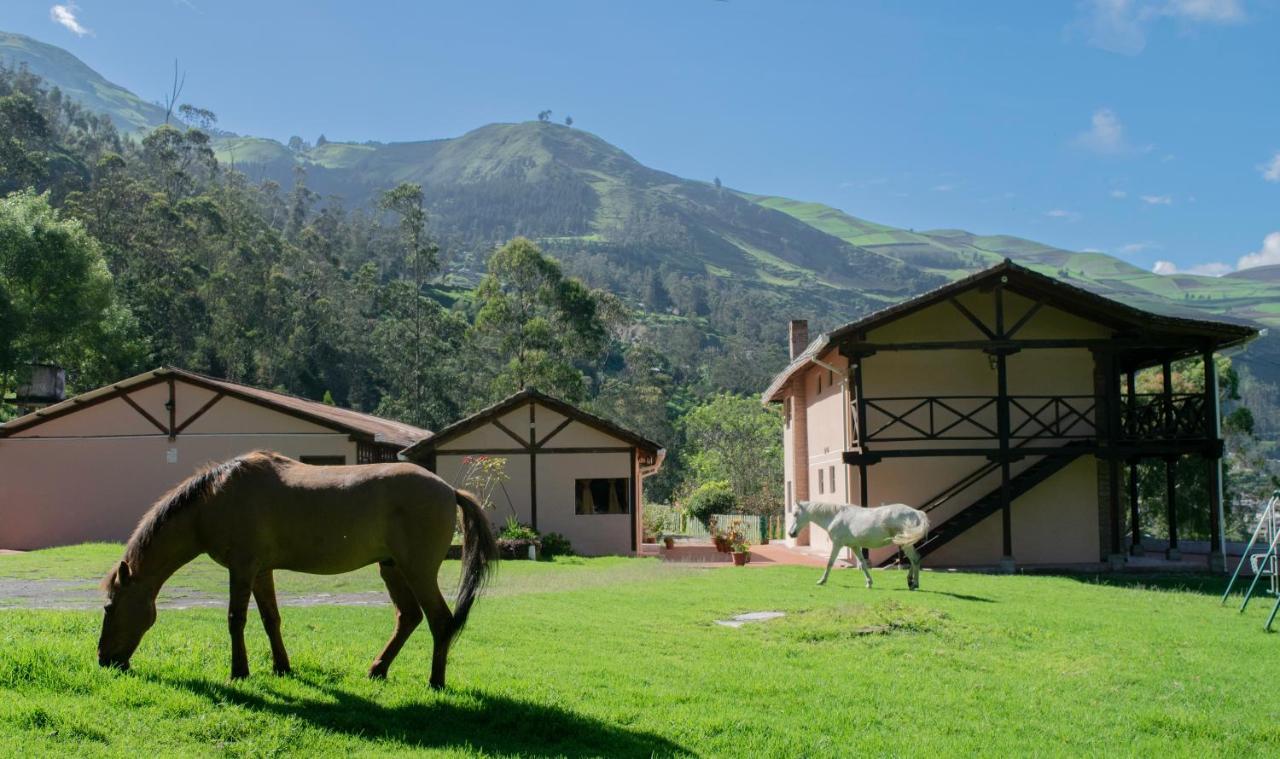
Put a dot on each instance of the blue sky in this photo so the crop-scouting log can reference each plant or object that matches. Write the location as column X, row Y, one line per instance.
column 1149, row 129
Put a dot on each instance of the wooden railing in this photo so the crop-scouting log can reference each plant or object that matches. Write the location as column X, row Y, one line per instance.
column 1062, row 418
column 904, row 419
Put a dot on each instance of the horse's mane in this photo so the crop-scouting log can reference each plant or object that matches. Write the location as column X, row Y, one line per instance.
column 205, row 483
column 823, row 507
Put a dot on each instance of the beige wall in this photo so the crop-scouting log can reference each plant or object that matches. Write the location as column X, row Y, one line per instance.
column 1056, row 522
column 591, row 535
column 90, row 475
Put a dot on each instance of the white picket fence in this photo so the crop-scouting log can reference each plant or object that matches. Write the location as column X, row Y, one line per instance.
column 750, row 523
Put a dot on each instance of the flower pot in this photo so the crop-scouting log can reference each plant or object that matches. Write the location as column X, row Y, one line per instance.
column 740, row 558
column 669, row 543
column 722, row 545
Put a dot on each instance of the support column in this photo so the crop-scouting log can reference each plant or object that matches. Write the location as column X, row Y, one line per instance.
column 1111, row 428
column 1007, row 563
column 1171, row 505
column 860, row 414
column 1213, row 457
column 1135, row 523
column 1170, row 464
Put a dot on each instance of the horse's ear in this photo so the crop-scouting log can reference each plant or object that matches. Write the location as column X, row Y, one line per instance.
column 122, row 573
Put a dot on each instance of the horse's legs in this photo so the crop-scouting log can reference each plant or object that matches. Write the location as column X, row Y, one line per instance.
column 264, row 593
column 237, row 615
column 408, row 616
column 862, row 563
column 913, row 575
column 835, row 553
column 427, row 590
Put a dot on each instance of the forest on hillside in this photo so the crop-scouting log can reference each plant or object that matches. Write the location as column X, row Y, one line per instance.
column 119, row 255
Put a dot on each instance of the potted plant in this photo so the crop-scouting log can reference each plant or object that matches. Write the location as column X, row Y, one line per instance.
column 738, row 544
column 718, row 537
column 668, row 541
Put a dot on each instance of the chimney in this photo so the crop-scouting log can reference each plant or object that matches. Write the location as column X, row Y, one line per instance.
column 799, row 337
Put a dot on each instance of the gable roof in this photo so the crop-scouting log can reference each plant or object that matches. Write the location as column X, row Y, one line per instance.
column 361, row 426
column 482, row 417
column 1025, row 281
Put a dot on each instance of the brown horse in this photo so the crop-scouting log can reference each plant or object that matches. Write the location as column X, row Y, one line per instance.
column 262, row 511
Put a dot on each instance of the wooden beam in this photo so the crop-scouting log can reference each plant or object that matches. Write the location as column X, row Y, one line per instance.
column 199, row 412
column 634, row 493
column 172, row 406
column 1113, row 344
column 498, row 423
column 526, row 451
column 533, row 468
column 143, row 412
column 973, row 319
column 1020, row 323
column 1135, row 523
column 1002, row 423
column 567, row 421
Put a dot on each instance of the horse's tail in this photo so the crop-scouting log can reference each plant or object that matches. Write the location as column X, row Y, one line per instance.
column 479, row 549
column 912, row 534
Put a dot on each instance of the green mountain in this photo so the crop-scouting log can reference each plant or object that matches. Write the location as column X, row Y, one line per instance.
column 640, row 231
column 129, row 112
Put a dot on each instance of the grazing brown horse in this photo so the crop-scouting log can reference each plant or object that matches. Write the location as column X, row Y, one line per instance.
column 262, row 511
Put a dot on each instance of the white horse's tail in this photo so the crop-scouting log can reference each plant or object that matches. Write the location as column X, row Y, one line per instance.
column 909, row 535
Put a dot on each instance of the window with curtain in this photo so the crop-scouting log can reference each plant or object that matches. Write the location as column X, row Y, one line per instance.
column 603, row 495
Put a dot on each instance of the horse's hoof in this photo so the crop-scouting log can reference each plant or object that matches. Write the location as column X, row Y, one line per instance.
column 282, row 671
column 239, row 675
column 437, row 685
column 377, row 674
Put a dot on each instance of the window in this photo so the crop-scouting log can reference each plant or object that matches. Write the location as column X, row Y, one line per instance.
column 831, row 378
column 788, row 496
column 831, row 473
column 820, row 490
column 609, row 495
column 323, row 460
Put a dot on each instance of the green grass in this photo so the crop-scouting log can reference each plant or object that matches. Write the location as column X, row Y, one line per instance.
column 621, row 657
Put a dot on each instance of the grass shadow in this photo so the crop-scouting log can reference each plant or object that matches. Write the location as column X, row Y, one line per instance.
column 959, row 596
column 1203, row 583
column 466, row 719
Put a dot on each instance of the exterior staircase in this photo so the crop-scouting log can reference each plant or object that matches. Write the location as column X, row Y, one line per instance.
column 988, row 504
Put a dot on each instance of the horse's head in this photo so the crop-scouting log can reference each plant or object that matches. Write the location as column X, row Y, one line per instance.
column 130, row 611
column 800, row 517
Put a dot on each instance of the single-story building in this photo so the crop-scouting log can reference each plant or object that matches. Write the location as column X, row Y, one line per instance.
column 568, row 471
column 88, row 467
column 1004, row 405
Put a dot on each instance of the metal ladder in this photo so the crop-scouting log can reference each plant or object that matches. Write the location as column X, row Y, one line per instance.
column 1267, row 533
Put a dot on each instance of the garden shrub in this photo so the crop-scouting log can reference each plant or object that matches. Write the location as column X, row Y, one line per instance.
column 555, row 544
column 711, row 498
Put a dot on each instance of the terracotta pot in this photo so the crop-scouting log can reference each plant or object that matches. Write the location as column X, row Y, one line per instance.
column 669, row 542
column 740, row 558
column 722, row 545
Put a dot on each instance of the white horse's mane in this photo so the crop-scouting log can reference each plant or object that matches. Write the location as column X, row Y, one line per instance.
column 824, row 508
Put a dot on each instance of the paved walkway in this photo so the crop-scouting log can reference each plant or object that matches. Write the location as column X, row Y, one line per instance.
column 770, row 554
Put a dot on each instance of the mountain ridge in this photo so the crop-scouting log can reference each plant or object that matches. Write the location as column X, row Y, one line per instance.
column 595, row 206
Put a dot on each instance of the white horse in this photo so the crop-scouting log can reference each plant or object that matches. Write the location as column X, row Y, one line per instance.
column 858, row 528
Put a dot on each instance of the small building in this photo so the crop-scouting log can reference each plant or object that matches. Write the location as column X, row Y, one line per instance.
column 88, row 467
column 567, row 471
column 1004, row 405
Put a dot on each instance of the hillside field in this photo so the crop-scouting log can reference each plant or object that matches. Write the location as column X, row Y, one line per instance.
column 622, row 657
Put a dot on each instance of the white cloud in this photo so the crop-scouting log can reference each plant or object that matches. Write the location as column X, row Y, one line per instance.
column 66, row 16
column 1271, row 169
column 1105, row 135
column 1138, row 247
column 1061, row 213
column 943, row 187
column 1119, row 194
column 1269, row 255
column 1120, row 26
column 1212, row 11
column 1157, row 200
column 1212, row 269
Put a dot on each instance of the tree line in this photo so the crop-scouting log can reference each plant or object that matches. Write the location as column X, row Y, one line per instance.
column 120, row 254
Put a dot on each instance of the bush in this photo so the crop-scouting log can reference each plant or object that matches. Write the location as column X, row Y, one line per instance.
column 555, row 544
column 711, row 498
column 513, row 530
column 659, row 520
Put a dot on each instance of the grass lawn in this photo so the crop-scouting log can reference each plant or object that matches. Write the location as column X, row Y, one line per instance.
column 621, row 657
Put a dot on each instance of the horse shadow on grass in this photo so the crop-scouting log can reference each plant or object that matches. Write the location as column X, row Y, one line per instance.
column 460, row 719
column 958, row 596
